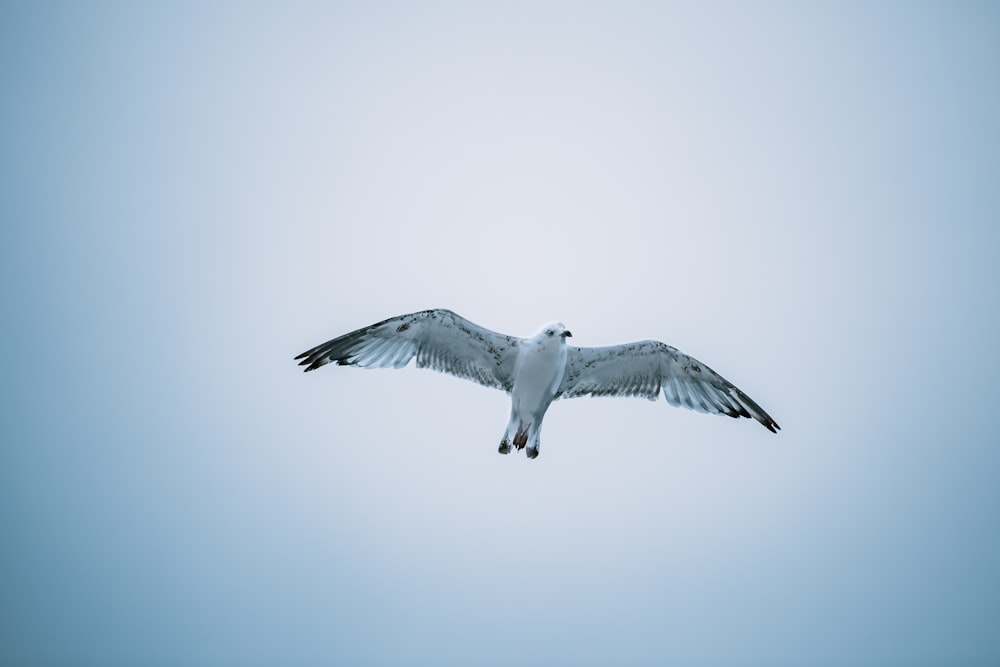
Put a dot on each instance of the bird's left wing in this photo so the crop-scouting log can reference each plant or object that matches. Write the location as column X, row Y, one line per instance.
column 648, row 367
column 439, row 339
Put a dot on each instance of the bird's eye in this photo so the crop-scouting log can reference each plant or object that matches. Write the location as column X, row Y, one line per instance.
column 550, row 332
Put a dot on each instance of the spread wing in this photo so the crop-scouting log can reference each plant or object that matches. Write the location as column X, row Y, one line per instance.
column 647, row 367
column 439, row 339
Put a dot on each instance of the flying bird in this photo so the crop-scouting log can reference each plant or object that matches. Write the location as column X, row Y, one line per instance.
column 536, row 371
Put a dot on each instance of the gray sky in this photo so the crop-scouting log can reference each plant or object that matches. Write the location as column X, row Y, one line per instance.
column 804, row 198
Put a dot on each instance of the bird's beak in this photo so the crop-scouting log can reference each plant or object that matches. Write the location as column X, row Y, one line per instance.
column 566, row 334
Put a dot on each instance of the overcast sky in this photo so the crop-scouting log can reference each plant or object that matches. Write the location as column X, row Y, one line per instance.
column 803, row 197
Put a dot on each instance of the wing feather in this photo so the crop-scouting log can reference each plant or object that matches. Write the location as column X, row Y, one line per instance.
column 439, row 339
column 649, row 367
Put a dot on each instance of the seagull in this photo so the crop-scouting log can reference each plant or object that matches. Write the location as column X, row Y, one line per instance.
column 536, row 371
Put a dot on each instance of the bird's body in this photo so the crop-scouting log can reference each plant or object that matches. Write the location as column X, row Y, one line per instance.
column 536, row 371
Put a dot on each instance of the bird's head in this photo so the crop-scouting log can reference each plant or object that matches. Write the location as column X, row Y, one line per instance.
column 554, row 331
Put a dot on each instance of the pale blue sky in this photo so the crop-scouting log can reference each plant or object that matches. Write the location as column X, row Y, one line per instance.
column 805, row 198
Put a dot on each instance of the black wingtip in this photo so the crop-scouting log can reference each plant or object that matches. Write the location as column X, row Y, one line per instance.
column 311, row 363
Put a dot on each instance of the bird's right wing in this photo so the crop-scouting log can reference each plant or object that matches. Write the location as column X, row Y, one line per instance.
column 647, row 367
column 439, row 339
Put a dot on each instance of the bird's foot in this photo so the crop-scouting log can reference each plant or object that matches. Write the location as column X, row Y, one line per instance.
column 520, row 440
column 532, row 452
column 504, row 446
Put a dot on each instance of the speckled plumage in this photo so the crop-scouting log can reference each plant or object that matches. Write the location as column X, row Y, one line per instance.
column 535, row 371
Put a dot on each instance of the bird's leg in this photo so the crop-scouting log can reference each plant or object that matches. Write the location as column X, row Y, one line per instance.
column 509, row 434
column 532, row 450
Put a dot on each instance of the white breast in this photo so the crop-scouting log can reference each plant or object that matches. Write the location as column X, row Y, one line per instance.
column 538, row 374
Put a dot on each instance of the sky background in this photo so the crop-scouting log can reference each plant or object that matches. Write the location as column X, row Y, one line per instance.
column 804, row 196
